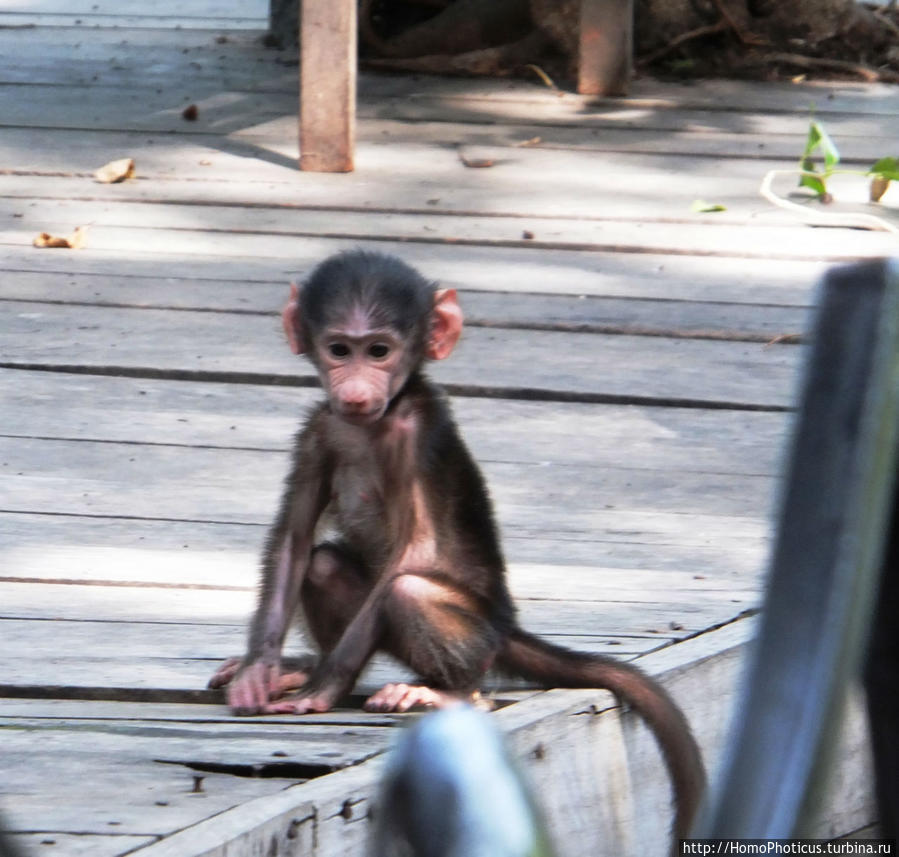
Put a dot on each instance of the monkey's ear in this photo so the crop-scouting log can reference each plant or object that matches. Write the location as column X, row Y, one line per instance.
column 446, row 324
column 291, row 321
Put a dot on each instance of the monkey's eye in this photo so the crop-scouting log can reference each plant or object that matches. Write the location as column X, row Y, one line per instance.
column 340, row 350
column 378, row 350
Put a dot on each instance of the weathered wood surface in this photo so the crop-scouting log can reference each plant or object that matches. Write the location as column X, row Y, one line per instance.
column 328, row 86
column 133, row 506
column 671, row 278
column 711, row 372
column 605, row 47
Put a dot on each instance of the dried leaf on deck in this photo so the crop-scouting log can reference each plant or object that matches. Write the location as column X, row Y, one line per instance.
column 475, row 161
column 75, row 241
column 116, row 171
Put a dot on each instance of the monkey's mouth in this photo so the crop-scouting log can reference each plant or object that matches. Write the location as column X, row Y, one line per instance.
column 361, row 419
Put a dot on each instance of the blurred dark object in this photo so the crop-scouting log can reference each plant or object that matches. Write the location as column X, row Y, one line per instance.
column 882, row 685
column 832, row 541
column 451, row 790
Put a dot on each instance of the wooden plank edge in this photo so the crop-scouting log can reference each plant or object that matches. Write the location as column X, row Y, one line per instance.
column 597, row 773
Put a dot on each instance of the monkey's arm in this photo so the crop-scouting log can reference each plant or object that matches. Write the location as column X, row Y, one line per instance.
column 259, row 680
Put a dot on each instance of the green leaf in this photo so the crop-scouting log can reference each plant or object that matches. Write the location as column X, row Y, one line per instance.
column 828, row 147
column 816, row 183
column 887, row 168
column 811, row 143
column 817, row 139
column 700, row 206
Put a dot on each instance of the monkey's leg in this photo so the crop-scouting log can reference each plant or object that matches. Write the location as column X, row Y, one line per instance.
column 436, row 628
column 333, row 592
column 441, row 632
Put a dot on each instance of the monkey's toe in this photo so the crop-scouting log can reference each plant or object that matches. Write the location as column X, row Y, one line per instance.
column 404, row 697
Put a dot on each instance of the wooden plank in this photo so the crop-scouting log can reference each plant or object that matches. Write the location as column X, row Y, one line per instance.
column 26, row 20
column 130, row 226
column 178, row 713
column 108, row 651
column 196, row 554
column 267, row 150
column 202, row 345
column 96, row 794
column 175, row 660
column 161, row 606
column 62, row 477
column 225, row 111
column 327, row 85
column 217, row 557
column 605, row 47
column 643, row 275
column 576, row 313
column 79, row 845
column 558, row 195
column 242, row 416
column 164, row 9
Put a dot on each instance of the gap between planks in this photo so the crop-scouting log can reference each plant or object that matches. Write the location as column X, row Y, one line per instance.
column 529, row 394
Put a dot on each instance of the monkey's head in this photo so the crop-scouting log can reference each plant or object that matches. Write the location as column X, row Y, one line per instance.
column 367, row 321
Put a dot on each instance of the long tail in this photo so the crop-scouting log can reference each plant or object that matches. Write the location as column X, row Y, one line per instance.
column 554, row 666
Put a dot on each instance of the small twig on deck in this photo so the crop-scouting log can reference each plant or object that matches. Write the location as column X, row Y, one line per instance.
column 850, row 219
column 544, row 77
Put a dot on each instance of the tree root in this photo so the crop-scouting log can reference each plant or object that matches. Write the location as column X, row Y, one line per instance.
column 683, row 38
column 499, row 61
column 871, row 75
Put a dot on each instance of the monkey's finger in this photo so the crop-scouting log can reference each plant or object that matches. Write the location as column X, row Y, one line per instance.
column 248, row 693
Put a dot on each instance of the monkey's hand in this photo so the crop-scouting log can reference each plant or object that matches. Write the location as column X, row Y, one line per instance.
column 251, row 687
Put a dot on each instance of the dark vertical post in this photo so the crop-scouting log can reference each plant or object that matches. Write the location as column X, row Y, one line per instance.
column 327, row 85
column 606, row 47
column 837, row 507
column 882, row 685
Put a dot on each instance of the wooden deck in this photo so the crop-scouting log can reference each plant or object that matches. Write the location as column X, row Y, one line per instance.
column 623, row 379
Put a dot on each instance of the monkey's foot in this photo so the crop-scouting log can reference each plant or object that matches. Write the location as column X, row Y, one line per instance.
column 314, row 703
column 404, row 697
column 225, row 673
column 298, row 672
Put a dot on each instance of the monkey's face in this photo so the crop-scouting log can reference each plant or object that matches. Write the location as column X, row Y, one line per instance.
column 361, row 374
